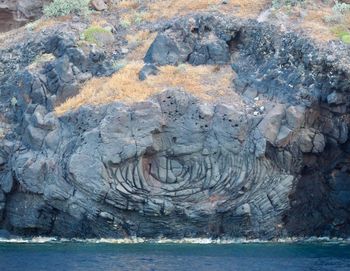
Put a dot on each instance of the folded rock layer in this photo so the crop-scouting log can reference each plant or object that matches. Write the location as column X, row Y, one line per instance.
column 176, row 166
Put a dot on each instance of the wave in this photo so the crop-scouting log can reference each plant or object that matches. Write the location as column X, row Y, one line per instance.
column 203, row 241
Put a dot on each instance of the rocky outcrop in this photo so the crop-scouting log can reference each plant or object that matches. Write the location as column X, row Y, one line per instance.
column 173, row 165
column 15, row 13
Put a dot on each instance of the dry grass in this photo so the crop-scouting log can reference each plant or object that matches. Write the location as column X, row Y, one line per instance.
column 309, row 18
column 40, row 60
column 314, row 23
column 158, row 9
column 45, row 23
column 139, row 43
column 312, row 20
column 208, row 83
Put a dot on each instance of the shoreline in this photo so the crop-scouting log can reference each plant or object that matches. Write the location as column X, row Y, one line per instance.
column 195, row 241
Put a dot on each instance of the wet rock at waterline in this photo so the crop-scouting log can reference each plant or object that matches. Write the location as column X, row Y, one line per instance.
column 174, row 165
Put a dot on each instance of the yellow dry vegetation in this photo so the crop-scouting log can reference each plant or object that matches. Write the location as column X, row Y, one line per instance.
column 314, row 23
column 157, row 9
column 45, row 23
column 140, row 43
column 309, row 17
column 206, row 82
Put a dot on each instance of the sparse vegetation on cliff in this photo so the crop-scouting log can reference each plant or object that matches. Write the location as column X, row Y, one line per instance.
column 94, row 34
column 64, row 7
column 205, row 82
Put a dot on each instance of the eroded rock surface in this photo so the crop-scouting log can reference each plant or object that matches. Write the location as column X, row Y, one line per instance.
column 15, row 13
column 173, row 165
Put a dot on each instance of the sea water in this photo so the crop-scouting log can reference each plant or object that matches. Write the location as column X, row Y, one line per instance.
column 42, row 254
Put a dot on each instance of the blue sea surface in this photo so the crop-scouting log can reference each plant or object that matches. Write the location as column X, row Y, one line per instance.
column 79, row 256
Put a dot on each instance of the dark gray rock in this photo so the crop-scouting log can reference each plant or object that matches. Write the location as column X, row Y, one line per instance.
column 4, row 234
column 306, row 140
column 164, row 51
column 2, row 205
column 6, row 182
column 295, row 116
column 284, row 136
column 336, row 99
column 211, row 53
column 197, row 41
column 271, row 124
column 250, row 93
column 147, row 70
column 26, row 212
column 15, row 13
column 318, row 143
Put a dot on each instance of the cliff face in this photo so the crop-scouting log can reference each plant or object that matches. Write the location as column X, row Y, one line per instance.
column 15, row 13
column 174, row 165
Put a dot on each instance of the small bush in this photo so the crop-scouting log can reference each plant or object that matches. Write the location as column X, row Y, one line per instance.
column 65, row 7
column 281, row 3
column 125, row 23
column 98, row 35
column 346, row 38
column 339, row 11
column 342, row 33
column 341, row 8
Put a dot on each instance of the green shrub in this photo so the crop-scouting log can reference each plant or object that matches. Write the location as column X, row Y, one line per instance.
column 346, row 38
column 339, row 11
column 66, row 7
column 125, row 23
column 339, row 30
column 341, row 8
column 281, row 3
column 342, row 33
column 97, row 35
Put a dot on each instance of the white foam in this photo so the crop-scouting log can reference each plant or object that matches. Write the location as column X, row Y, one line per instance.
column 203, row 241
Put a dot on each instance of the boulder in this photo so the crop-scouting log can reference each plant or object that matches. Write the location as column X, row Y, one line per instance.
column 319, row 143
column 243, row 210
column 34, row 137
column 164, row 51
column 284, row 136
column 212, row 53
column 295, row 116
column 99, row 5
column 250, row 93
column 305, row 140
column 271, row 124
column 311, row 141
column 148, row 69
column 336, row 98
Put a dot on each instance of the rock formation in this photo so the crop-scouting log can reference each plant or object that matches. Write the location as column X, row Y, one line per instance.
column 173, row 165
column 15, row 13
